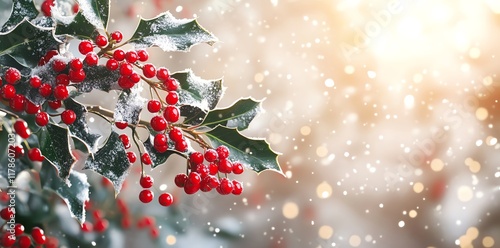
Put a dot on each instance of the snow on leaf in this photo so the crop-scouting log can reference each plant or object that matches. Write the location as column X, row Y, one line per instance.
column 75, row 193
column 239, row 115
column 76, row 26
column 21, row 9
column 55, row 147
column 111, row 162
column 79, row 128
column 170, row 34
column 254, row 153
column 27, row 43
column 95, row 12
column 98, row 77
column 129, row 106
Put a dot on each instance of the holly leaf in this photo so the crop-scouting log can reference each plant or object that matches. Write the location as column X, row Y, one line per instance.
column 27, row 43
column 170, row 34
column 129, row 106
column 100, row 78
column 111, row 161
column 21, row 9
column 79, row 128
column 200, row 94
column 238, row 116
column 76, row 26
column 254, row 153
column 158, row 158
column 74, row 191
column 95, row 11
column 55, row 147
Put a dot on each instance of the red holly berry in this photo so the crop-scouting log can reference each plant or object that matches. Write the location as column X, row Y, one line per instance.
column 212, row 181
column 8, row 91
column 172, row 97
column 165, row 199
column 77, row 76
column 181, row 146
column 59, row 65
column 210, row 155
column 18, row 150
column 85, row 47
column 131, row 157
column 191, row 188
column 91, row 59
column 7, row 213
column 126, row 69
column 75, row 8
column 160, row 140
column 34, row 154
column 158, row 123
column 8, row 239
column 146, row 181
column 203, row 170
column 146, row 196
column 55, row 104
column 42, row 119
column 237, row 168
column 21, row 128
column 180, row 180
column 31, row 108
column 35, row 81
column 149, row 70
column 12, row 75
column 38, row 235
column 237, row 188
column 142, row 55
column 50, row 54
column 154, row 106
column 171, row 84
column 125, row 140
column 222, row 151
column 121, row 124
column 101, row 41
column 225, row 166
column 62, row 79
column 125, row 83
column 171, row 114
column 119, row 55
column 196, row 158
column 17, row 102
column 134, row 77
column 117, row 36
column 101, row 225
column 47, row 7
column 213, row 168
column 24, row 242
column 162, row 74
column 145, row 158
column 112, row 64
column 45, row 90
column 87, row 227
column 175, row 134
column 131, row 56
column 19, row 229
column 61, row 92
column 68, row 116
column 76, row 64
column 194, row 177
column 225, row 186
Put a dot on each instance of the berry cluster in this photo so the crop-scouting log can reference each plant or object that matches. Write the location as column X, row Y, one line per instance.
column 15, row 234
column 22, row 130
column 202, row 176
column 47, row 6
column 146, row 195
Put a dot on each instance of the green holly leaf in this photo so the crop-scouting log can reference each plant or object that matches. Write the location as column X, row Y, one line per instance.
column 200, row 94
column 100, row 78
column 238, row 116
column 54, row 144
column 158, row 158
column 77, row 26
column 95, row 11
column 170, row 34
column 27, row 43
column 74, row 191
column 111, row 161
column 79, row 128
column 21, row 9
column 254, row 153
column 129, row 106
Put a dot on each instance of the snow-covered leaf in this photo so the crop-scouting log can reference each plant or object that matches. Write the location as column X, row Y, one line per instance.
column 27, row 43
column 170, row 34
column 111, row 161
column 100, row 78
column 95, row 12
column 79, row 128
column 254, row 153
column 54, row 144
column 77, row 26
column 129, row 106
column 21, row 9
column 238, row 116
column 74, row 191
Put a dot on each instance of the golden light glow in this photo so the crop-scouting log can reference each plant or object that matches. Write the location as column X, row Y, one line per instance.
column 324, row 190
column 290, row 210
column 465, row 193
column 488, row 241
column 437, row 164
column 418, row 187
column 355, row 241
column 325, row 232
column 171, row 240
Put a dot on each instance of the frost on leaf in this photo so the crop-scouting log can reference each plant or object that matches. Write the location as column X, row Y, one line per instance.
column 100, row 78
column 74, row 192
column 129, row 106
column 55, row 147
column 170, row 34
column 79, row 128
column 21, row 9
column 95, row 12
column 111, row 161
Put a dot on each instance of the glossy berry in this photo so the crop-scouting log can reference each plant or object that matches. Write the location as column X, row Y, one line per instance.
column 76, row 64
column 18, row 150
column 212, row 181
column 19, row 229
column 46, row 7
column 154, row 106
column 213, row 168
column 17, row 102
column 165, row 199
column 194, row 177
column 101, row 225
column 7, row 213
column 125, row 83
column 68, row 116
column 149, row 70
column 75, row 8
column 38, row 235
column 146, row 181
column 59, row 65
column 61, row 92
column 34, row 154
column 171, row 84
column 175, row 134
column 77, row 76
column 91, row 59
column 181, row 146
column 45, row 90
column 145, row 158
column 222, row 152
column 225, row 166
column 55, row 104
column 160, row 140
column 12, row 75
column 125, row 140
column 101, row 41
column 131, row 56
column 191, row 188
column 119, row 55
column 31, row 108
column 134, row 77
column 112, row 64
column 171, row 114
column 162, row 74
column 172, row 97
column 85, row 47
column 158, row 123
column 21, row 128
column 146, row 196
column 35, row 81
column 142, row 55
column 126, row 69
column 237, row 168
column 203, row 170
column 24, row 242
column 225, row 186
column 8, row 239
column 210, row 155
column 121, row 124
column 131, row 157
column 117, row 36
column 180, row 180
column 8, row 91
column 237, row 188
column 62, row 79
column 42, row 119
column 196, row 158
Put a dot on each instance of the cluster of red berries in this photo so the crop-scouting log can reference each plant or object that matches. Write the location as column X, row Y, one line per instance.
column 99, row 224
column 21, row 129
column 146, row 195
column 15, row 234
column 47, row 6
column 202, row 176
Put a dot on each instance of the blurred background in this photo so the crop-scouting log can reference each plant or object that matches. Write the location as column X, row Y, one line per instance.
column 386, row 113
